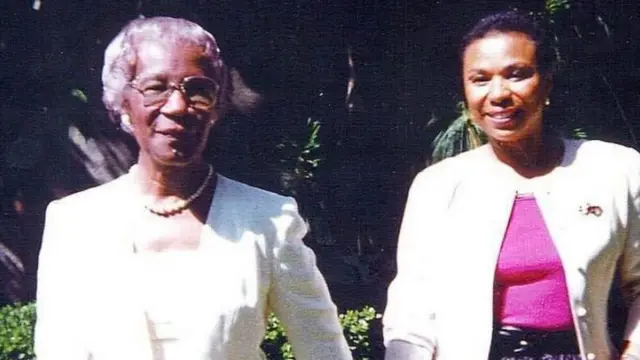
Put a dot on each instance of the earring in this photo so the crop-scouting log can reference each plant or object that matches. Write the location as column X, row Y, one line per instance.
column 547, row 102
column 125, row 122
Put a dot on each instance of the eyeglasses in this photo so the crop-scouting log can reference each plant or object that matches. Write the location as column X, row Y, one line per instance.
column 201, row 92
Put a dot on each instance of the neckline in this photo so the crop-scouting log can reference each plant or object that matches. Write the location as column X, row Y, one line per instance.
column 218, row 180
column 567, row 154
column 520, row 185
column 528, row 196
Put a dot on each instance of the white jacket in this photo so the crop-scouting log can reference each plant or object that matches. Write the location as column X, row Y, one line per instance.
column 455, row 219
column 87, row 301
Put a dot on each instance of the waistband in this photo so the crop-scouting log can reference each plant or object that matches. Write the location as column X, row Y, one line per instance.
column 515, row 340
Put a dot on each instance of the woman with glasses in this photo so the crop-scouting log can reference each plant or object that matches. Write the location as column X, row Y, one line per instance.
column 172, row 260
column 508, row 251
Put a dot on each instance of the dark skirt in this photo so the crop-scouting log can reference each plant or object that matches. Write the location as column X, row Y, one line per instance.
column 512, row 343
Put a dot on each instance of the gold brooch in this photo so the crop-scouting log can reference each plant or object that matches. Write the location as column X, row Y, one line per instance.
column 589, row 209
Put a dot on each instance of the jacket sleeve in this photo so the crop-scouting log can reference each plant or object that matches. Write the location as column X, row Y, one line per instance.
column 409, row 322
column 299, row 295
column 59, row 329
column 630, row 260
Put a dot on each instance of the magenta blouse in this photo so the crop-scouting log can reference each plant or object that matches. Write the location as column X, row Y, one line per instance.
column 530, row 287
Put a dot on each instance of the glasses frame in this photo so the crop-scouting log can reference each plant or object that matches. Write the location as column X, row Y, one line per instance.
column 161, row 99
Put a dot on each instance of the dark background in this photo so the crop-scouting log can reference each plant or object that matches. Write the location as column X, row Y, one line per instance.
column 55, row 137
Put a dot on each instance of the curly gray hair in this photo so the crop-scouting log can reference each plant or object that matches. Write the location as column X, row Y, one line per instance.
column 120, row 56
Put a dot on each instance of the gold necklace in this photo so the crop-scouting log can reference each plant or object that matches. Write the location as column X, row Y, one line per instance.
column 180, row 205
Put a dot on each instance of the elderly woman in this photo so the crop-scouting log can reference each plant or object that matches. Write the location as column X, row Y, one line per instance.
column 173, row 261
column 508, row 251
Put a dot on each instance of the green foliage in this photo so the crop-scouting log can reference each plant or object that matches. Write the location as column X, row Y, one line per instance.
column 356, row 325
column 275, row 344
column 17, row 321
column 80, row 95
column 299, row 159
column 554, row 6
column 309, row 158
column 461, row 135
column 16, row 332
column 578, row 133
column 302, row 156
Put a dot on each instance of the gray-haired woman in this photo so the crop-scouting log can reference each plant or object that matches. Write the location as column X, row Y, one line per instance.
column 172, row 260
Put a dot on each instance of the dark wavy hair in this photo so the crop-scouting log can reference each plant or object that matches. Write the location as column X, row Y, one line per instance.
column 515, row 21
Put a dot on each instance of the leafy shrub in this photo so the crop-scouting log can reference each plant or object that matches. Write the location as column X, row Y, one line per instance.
column 299, row 160
column 16, row 333
column 355, row 323
column 357, row 330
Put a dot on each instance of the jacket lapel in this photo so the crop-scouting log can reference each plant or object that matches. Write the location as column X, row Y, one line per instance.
column 119, row 303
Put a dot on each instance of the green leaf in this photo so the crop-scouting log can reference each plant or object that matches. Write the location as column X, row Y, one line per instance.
column 461, row 135
column 80, row 95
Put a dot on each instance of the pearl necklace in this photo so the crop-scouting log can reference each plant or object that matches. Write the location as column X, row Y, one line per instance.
column 181, row 205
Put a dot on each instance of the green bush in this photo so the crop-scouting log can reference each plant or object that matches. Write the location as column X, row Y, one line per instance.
column 16, row 333
column 355, row 323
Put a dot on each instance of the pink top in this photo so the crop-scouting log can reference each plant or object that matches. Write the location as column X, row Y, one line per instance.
column 530, row 287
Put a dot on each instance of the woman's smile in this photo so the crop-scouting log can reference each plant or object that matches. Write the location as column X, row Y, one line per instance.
column 172, row 131
column 504, row 88
column 175, row 132
column 503, row 119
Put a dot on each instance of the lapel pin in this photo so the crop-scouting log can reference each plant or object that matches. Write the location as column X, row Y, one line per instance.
column 589, row 209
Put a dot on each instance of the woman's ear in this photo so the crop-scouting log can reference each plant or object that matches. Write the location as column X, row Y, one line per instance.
column 124, row 118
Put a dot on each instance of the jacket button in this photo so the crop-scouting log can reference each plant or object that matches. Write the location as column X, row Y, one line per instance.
column 591, row 356
column 580, row 311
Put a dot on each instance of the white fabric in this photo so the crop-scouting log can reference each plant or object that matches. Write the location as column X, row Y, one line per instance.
column 168, row 281
column 89, row 306
column 455, row 218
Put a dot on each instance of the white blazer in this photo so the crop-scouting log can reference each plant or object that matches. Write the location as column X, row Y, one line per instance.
column 87, row 301
column 441, row 300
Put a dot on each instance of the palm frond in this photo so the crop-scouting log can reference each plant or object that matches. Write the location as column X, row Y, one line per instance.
column 461, row 135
